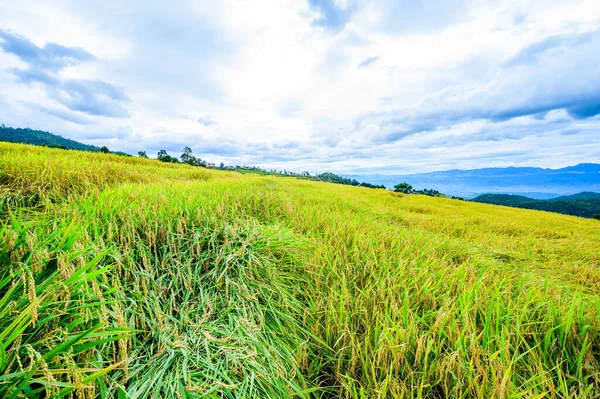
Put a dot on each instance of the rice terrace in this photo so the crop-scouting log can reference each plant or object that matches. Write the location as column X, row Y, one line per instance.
column 300, row 199
column 125, row 277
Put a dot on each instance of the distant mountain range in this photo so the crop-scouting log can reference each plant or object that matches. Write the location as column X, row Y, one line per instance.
column 537, row 183
column 586, row 204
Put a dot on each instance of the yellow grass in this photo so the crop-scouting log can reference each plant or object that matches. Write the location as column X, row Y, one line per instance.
column 198, row 283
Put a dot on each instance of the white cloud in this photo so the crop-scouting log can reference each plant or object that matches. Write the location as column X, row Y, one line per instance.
column 272, row 87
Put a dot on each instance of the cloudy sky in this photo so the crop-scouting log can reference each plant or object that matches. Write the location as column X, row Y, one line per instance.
column 387, row 86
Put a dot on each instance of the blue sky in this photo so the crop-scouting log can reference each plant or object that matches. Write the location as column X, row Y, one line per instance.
column 348, row 86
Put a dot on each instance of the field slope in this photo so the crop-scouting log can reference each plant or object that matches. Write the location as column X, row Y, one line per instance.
column 128, row 278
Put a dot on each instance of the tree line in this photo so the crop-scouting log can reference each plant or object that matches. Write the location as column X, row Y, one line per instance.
column 187, row 157
column 406, row 188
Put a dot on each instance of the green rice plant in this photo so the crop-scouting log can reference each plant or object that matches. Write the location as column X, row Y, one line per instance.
column 218, row 298
column 51, row 314
column 197, row 283
column 31, row 175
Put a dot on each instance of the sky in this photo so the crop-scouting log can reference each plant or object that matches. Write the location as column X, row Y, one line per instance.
column 346, row 86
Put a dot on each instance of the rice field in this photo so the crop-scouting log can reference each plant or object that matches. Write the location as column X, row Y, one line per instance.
column 129, row 278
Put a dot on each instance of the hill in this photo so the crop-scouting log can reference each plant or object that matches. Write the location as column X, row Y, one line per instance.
column 579, row 196
column 504, row 199
column 39, row 137
column 585, row 204
column 538, row 183
column 133, row 278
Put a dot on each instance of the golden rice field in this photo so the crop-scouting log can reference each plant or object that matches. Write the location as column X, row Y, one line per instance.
column 129, row 278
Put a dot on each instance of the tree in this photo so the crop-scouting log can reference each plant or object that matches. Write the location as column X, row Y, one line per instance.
column 142, row 154
column 596, row 216
column 187, row 156
column 403, row 188
column 104, row 149
column 221, row 165
column 164, row 157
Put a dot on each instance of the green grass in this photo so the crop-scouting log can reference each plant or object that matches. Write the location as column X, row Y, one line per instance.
column 123, row 277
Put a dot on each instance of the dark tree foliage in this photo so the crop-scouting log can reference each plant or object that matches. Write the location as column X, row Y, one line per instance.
column 188, row 157
column 45, row 139
column 39, row 137
column 403, row 188
column 333, row 178
column 163, row 156
column 142, row 154
column 369, row 185
column 104, row 149
column 406, row 188
column 584, row 206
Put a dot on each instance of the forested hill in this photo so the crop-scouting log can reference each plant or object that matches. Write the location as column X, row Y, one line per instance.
column 586, row 204
column 579, row 196
column 39, row 137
